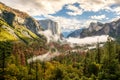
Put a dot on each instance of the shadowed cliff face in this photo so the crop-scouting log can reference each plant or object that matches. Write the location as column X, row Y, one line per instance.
column 8, row 17
column 50, row 25
column 33, row 25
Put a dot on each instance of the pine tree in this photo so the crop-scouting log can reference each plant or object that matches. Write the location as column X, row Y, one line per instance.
column 98, row 53
column 5, row 52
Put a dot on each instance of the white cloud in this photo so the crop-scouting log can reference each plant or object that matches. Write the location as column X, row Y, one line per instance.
column 38, row 7
column 96, row 5
column 100, row 17
column 75, row 10
column 71, row 24
column 66, row 23
column 107, row 18
column 45, row 7
column 74, row 13
column 72, row 7
column 87, row 40
column 50, row 37
column 117, row 10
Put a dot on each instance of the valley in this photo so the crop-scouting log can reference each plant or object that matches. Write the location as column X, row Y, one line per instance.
column 32, row 49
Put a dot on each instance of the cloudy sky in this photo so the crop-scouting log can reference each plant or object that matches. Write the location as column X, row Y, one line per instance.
column 71, row 14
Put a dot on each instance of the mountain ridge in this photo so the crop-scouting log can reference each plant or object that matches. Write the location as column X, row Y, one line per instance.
column 19, row 25
column 97, row 29
column 112, row 29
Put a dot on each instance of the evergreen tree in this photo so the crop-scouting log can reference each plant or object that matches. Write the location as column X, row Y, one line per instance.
column 98, row 53
column 5, row 52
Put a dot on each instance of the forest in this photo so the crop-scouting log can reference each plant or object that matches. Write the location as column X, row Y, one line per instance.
column 102, row 63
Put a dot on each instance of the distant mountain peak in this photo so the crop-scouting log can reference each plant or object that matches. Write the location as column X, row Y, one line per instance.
column 112, row 29
column 96, row 29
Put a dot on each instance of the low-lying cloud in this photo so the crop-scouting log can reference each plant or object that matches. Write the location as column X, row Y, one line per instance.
column 87, row 40
column 50, row 37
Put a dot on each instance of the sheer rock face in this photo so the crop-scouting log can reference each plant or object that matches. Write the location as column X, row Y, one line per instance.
column 95, row 26
column 32, row 25
column 49, row 25
column 96, row 29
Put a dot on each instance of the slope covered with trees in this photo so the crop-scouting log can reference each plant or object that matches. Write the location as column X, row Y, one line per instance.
column 19, row 40
column 97, row 64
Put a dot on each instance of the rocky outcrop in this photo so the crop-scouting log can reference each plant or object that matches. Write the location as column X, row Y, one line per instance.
column 51, row 30
column 19, row 20
column 32, row 25
column 95, row 26
column 49, row 25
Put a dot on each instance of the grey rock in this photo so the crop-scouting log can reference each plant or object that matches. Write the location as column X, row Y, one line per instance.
column 49, row 25
column 96, row 29
column 32, row 25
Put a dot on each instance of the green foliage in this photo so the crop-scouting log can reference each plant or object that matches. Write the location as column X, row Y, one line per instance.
column 5, row 52
column 93, row 69
column 17, row 33
column 70, row 66
column 53, row 50
column 4, row 33
column 13, row 70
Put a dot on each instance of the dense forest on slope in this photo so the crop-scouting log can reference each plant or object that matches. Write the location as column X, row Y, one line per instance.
column 19, row 40
column 102, row 63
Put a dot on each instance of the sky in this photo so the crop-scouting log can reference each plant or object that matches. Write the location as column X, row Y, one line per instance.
column 70, row 14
